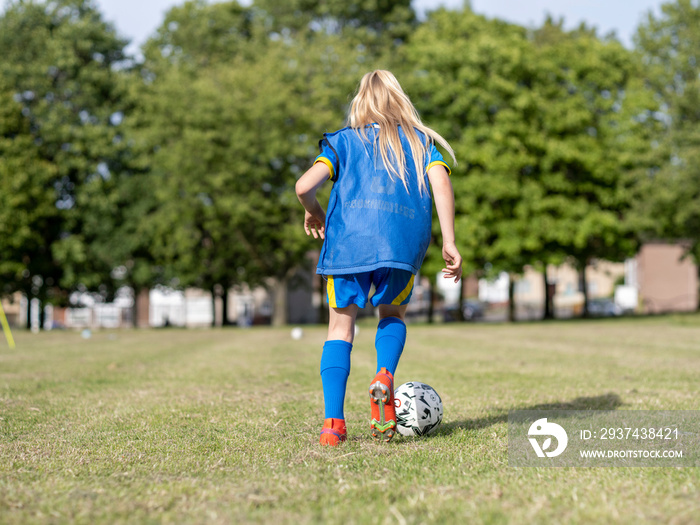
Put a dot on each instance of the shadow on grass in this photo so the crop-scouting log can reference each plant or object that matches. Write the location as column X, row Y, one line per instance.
column 609, row 401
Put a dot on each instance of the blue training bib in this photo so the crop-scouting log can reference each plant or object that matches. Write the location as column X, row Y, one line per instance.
column 373, row 221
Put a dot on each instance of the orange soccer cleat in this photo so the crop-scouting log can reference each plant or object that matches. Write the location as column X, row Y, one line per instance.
column 381, row 395
column 333, row 432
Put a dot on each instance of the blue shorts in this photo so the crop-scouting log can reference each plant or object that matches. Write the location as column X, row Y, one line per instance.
column 392, row 286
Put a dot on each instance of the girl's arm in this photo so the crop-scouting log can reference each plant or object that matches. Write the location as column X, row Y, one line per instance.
column 306, row 187
column 445, row 205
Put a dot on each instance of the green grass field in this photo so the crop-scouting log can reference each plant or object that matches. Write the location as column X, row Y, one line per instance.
column 221, row 426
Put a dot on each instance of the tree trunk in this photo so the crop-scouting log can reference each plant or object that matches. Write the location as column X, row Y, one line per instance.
column 583, row 287
column 460, row 303
column 42, row 314
column 548, row 299
column 29, row 312
column 135, row 307
column 511, row 298
column 213, row 306
column 279, row 306
column 224, row 307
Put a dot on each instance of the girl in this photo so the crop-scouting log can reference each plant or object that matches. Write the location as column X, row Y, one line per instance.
column 376, row 231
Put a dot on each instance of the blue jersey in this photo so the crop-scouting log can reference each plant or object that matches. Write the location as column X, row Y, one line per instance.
column 373, row 221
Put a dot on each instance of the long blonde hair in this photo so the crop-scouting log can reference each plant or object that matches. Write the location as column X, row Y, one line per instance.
column 380, row 100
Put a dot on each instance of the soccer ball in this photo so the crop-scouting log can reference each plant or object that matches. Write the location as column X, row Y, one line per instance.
column 418, row 409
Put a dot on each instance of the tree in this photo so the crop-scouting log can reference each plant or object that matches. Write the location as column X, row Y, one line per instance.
column 375, row 25
column 60, row 63
column 197, row 34
column 27, row 207
column 669, row 44
column 597, row 144
column 110, row 246
column 543, row 128
column 472, row 83
column 228, row 138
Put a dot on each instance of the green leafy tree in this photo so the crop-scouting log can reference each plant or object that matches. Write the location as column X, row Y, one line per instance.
column 60, row 62
column 593, row 117
column 472, row 83
column 669, row 45
column 27, row 201
column 227, row 139
column 544, row 132
column 375, row 25
column 198, row 34
column 111, row 246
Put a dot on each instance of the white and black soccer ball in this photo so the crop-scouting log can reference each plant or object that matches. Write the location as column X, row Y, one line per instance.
column 418, row 409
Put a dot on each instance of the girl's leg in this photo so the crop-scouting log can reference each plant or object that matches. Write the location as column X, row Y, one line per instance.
column 341, row 323
column 335, row 360
column 391, row 336
column 390, row 339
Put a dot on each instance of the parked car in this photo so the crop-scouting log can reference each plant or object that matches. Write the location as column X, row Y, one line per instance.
column 471, row 311
column 603, row 307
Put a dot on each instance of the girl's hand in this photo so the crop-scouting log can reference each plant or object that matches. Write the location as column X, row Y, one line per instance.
column 453, row 261
column 315, row 224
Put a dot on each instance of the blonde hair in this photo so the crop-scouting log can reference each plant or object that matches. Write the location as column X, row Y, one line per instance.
column 380, row 100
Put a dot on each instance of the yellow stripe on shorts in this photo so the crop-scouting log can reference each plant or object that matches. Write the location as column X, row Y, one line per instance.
column 405, row 292
column 331, row 293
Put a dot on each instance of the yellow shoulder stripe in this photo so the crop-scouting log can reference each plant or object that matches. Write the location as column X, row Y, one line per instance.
column 327, row 163
column 439, row 163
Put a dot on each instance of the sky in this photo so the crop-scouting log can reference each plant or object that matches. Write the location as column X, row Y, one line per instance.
column 138, row 19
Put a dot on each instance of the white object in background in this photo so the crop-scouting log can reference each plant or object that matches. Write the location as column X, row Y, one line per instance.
column 627, row 297
column 166, row 306
column 449, row 289
column 494, row 291
column 34, row 323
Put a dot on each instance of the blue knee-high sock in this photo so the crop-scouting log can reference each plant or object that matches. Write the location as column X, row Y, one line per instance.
column 390, row 340
column 335, row 369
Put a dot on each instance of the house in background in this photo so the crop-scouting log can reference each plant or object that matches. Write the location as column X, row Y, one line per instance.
column 667, row 281
column 658, row 279
column 15, row 308
column 563, row 280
